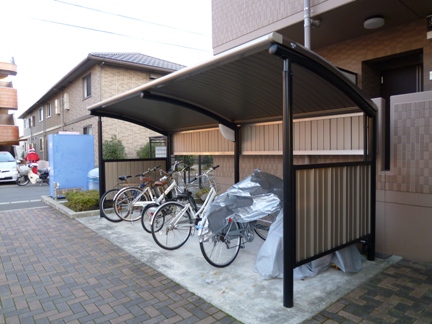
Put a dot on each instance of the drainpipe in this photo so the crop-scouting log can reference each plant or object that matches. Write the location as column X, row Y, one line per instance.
column 308, row 22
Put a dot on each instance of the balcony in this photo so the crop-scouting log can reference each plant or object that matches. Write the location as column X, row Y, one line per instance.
column 8, row 98
column 7, row 69
column 9, row 135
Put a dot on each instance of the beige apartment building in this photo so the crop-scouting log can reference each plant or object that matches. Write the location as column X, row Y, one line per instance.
column 386, row 48
column 63, row 108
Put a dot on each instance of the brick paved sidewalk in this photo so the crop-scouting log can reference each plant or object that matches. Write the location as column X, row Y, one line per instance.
column 55, row 270
column 400, row 294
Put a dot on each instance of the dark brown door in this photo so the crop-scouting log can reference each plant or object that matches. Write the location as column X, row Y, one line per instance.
column 394, row 82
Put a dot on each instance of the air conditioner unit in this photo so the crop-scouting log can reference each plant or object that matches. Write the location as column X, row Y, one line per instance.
column 66, row 101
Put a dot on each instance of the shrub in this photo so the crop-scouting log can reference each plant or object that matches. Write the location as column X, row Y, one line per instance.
column 82, row 200
column 144, row 152
column 113, row 149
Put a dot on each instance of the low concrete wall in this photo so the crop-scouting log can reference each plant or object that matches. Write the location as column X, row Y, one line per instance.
column 59, row 205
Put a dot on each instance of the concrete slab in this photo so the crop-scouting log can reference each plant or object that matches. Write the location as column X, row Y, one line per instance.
column 237, row 289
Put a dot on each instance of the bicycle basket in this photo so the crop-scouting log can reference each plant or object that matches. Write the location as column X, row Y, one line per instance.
column 200, row 188
column 178, row 178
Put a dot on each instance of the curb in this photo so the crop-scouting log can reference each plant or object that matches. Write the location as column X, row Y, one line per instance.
column 59, row 205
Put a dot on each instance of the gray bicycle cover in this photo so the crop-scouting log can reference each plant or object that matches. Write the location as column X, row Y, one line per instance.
column 254, row 197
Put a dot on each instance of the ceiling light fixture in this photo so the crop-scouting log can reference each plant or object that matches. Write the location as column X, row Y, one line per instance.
column 374, row 22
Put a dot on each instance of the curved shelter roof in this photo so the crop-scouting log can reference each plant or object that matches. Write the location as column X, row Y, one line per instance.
column 241, row 86
column 269, row 79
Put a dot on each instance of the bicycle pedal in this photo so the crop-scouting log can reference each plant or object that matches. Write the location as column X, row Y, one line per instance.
column 242, row 246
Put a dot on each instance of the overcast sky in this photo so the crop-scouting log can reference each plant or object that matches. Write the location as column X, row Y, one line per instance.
column 48, row 38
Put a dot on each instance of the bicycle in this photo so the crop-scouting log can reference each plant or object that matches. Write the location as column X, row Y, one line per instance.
column 106, row 202
column 170, row 194
column 132, row 203
column 173, row 221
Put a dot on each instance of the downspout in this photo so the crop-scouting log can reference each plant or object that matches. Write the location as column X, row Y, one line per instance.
column 308, row 22
column 101, row 164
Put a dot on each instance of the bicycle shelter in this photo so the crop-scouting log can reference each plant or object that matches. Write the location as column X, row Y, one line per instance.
column 327, row 206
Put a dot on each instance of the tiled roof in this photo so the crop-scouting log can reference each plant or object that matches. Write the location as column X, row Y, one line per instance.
column 138, row 58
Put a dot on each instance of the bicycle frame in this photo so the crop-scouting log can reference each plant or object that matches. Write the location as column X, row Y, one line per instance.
column 153, row 199
column 191, row 207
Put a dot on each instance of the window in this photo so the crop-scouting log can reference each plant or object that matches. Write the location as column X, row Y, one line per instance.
column 66, row 101
column 41, row 144
column 56, row 107
column 87, row 86
column 48, row 110
column 41, row 114
column 88, row 130
column 31, row 121
column 26, row 124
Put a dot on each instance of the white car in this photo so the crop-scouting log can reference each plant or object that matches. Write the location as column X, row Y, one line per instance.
column 8, row 167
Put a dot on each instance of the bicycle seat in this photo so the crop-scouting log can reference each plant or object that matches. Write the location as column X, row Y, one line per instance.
column 160, row 183
column 145, row 179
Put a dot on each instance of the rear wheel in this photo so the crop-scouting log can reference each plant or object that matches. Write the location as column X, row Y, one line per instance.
column 106, row 206
column 128, row 203
column 22, row 180
column 168, row 231
column 221, row 249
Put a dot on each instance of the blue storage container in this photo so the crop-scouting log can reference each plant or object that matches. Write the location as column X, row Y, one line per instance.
column 70, row 156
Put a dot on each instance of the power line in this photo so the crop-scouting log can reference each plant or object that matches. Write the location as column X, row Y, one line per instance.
column 128, row 17
column 118, row 34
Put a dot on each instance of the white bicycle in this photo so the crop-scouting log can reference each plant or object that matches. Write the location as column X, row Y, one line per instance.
column 173, row 221
column 134, row 203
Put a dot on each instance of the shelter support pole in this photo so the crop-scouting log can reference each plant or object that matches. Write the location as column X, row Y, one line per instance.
column 169, row 145
column 289, row 214
column 102, row 184
column 372, row 149
column 237, row 156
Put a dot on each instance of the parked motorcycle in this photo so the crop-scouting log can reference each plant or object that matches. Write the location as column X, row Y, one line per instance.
column 32, row 173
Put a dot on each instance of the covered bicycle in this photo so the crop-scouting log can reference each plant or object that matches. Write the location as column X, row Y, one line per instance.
column 246, row 208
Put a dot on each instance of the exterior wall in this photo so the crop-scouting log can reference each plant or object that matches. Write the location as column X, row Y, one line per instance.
column 333, row 135
column 404, row 194
column 202, row 142
column 132, row 136
column 246, row 20
column 349, row 55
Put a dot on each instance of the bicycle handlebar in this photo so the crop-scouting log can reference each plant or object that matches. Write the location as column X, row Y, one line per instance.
column 205, row 173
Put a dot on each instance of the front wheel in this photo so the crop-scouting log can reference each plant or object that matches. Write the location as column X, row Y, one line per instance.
column 171, row 225
column 147, row 216
column 22, row 180
column 106, row 206
column 221, row 249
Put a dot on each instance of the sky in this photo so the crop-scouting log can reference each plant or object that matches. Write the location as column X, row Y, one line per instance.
column 48, row 38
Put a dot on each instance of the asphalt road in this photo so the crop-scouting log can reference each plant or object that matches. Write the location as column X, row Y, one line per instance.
column 13, row 196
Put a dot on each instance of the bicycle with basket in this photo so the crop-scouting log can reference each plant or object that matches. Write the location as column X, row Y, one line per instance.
column 173, row 222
